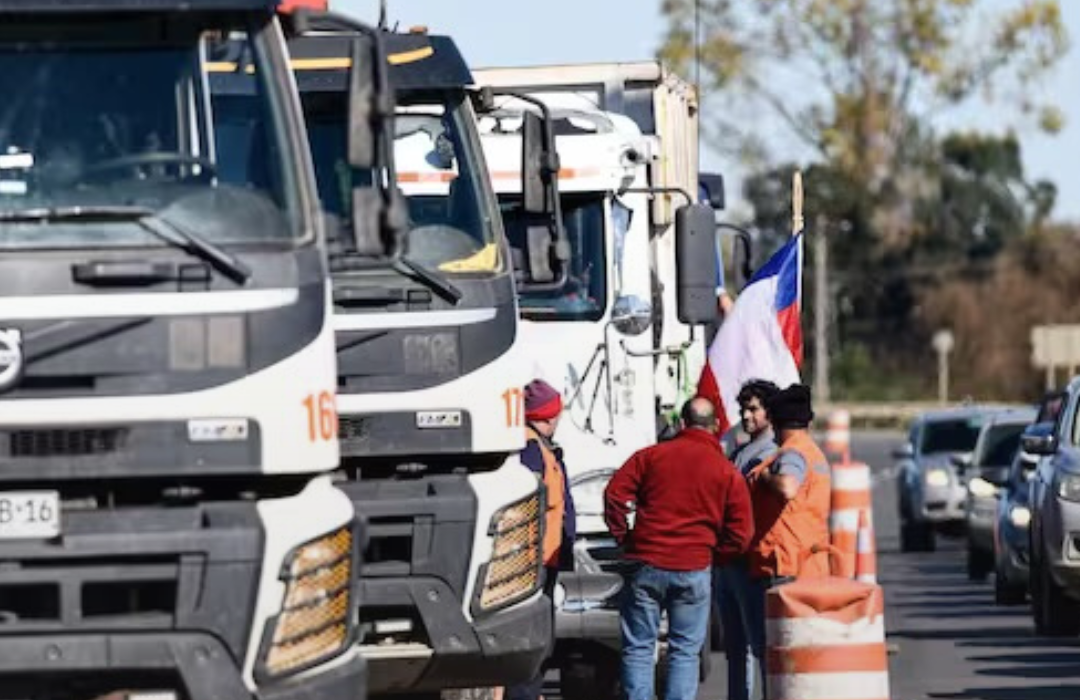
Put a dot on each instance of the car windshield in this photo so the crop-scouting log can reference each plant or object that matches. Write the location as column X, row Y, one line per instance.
column 958, row 435
column 98, row 118
column 447, row 189
column 1000, row 444
column 583, row 296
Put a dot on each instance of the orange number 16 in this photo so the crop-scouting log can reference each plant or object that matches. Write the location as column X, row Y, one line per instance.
column 322, row 416
column 514, row 400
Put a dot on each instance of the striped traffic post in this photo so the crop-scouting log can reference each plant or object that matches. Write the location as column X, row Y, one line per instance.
column 851, row 499
column 838, row 436
column 825, row 639
column 865, row 552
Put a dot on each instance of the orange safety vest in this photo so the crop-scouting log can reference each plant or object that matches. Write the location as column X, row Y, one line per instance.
column 784, row 531
column 556, row 506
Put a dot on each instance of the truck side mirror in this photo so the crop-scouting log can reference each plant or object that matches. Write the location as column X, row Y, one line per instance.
column 535, row 168
column 695, row 261
column 364, row 107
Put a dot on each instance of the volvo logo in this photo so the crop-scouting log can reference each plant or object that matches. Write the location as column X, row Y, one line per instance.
column 11, row 358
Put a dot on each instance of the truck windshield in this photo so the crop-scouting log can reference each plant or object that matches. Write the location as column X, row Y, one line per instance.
column 451, row 227
column 583, row 296
column 97, row 117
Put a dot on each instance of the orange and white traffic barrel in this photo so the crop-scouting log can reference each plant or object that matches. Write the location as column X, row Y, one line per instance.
column 838, row 435
column 851, row 497
column 825, row 640
column 865, row 552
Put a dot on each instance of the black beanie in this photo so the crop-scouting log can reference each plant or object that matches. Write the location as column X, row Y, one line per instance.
column 790, row 407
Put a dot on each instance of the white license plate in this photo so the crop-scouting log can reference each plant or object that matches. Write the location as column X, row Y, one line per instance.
column 26, row 515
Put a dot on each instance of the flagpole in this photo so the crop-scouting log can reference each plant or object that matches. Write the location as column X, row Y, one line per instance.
column 796, row 203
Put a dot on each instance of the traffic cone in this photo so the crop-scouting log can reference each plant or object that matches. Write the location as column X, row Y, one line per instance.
column 865, row 556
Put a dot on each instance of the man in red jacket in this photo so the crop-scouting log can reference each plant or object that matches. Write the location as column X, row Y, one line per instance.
column 691, row 507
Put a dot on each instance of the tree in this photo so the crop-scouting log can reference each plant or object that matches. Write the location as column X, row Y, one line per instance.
column 855, row 80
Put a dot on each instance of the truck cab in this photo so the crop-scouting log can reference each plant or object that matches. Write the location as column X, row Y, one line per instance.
column 430, row 378
column 167, row 365
column 619, row 326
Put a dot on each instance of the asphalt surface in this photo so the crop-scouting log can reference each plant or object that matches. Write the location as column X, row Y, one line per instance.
column 949, row 640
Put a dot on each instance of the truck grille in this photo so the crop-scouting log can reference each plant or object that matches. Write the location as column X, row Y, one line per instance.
column 60, row 442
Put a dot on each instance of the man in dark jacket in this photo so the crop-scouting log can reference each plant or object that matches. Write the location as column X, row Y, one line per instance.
column 691, row 507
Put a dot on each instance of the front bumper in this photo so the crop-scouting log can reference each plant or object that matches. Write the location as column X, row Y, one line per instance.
column 194, row 665
column 414, row 586
column 943, row 505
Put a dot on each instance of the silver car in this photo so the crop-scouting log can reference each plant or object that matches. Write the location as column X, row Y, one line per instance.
column 987, row 471
column 931, row 492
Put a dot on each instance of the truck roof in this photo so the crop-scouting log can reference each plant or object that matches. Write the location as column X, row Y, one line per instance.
column 110, row 6
column 417, row 62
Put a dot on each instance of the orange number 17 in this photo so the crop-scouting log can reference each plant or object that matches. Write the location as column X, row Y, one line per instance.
column 514, row 400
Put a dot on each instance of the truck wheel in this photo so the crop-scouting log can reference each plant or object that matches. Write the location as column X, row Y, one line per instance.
column 591, row 677
column 1060, row 614
column 979, row 564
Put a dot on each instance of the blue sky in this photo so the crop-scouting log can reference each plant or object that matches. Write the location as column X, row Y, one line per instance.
column 523, row 32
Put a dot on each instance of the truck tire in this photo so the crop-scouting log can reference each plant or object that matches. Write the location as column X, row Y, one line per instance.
column 979, row 563
column 1059, row 614
column 591, row 676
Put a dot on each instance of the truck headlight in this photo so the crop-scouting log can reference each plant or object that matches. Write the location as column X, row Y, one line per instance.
column 937, row 478
column 316, row 619
column 981, row 488
column 513, row 572
column 588, row 491
column 1020, row 516
column 1068, row 486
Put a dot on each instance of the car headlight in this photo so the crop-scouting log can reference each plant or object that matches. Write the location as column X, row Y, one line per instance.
column 1020, row 516
column 1068, row 486
column 513, row 572
column 316, row 619
column 588, row 491
column 981, row 488
column 937, row 477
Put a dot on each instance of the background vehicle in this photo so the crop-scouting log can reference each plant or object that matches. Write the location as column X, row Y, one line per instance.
column 987, row 471
column 1011, row 536
column 167, row 363
column 931, row 492
column 1055, row 522
column 618, row 324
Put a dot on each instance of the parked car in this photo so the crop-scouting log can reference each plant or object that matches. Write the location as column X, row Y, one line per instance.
column 1011, row 529
column 931, row 493
column 1055, row 522
column 987, row 470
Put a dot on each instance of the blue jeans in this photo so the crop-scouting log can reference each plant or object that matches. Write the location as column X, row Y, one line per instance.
column 685, row 597
column 742, row 613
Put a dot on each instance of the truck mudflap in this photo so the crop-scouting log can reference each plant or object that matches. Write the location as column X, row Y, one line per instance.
column 190, row 666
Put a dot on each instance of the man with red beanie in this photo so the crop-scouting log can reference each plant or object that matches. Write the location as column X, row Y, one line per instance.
column 543, row 406
column 691, row 508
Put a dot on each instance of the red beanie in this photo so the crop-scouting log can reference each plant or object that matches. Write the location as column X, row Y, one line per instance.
column 542, row 402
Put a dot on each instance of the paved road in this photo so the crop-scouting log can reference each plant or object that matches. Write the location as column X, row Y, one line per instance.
column 951, row 641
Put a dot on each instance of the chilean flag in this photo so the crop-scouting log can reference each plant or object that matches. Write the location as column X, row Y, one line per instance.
column 761, row 338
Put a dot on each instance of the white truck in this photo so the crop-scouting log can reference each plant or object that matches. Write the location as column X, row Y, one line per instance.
column 622, row 334
column 168, row 523
column 430, row 377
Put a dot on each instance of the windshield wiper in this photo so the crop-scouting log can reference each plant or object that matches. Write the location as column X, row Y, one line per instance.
column 436, row 282
column 152, row 222
column 346, row 260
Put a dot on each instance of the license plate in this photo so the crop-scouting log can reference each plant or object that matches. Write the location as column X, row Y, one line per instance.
column 29, row 515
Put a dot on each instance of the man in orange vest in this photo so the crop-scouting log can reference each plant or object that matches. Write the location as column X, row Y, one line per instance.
column 543, row 406
column 790, row 495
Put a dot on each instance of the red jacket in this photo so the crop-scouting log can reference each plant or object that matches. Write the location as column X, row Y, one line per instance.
column 692, row 506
